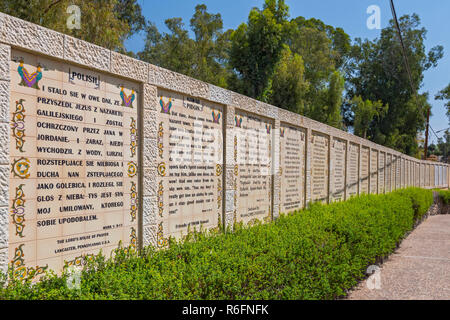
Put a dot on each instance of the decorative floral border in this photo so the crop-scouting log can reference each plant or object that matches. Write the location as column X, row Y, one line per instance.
column 162, row 242
column 161, row 167
column 18, row 211
column 20, row 271
column 219, row 194
column 160, row 140
column 133, row 239
column 18, row 125
column 160, row 199
column 219, row 186
column 133, row 137
column 79, row 261
column 133, row 201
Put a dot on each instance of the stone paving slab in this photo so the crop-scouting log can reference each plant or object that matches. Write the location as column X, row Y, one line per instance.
column 418, row 270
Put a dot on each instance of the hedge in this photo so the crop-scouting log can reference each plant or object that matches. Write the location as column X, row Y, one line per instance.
column 444, row 195
column 316, row 253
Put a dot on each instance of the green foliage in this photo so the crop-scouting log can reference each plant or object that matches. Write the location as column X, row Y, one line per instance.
column 318, row 253
column 364, row 113
column 324, row 51
column 173, row 50
column 256, row 48
column 288, row 85
column 444, row 94
column 107, row 23
column 377, row 72
column 442, row 147
column 203, row 58
column 210, row 47
column 330, row 110
column 444, row 195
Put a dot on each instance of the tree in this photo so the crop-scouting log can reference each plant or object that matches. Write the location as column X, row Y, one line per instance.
column 107, row 23
column 444, row 94
column 314, row 47
column 328, row 109
column 173, row 50
column 203, row 58
column 324, row 50
column 130, row 11
column 288, row 83
column 433, row 150
column 257, row 47
column 442, row 148
column 210, row 47
column 364, row 113
column 379, row 74
column 444, row 145
column 337, row 43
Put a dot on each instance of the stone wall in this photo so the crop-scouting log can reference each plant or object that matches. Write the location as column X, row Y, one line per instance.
column 207, row 156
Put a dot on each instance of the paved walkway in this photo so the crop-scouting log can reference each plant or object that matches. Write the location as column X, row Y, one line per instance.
column 419, row 269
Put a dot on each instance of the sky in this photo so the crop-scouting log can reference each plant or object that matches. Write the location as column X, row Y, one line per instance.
column 351, row 15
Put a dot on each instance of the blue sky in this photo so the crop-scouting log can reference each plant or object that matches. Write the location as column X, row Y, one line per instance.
column 348, row 14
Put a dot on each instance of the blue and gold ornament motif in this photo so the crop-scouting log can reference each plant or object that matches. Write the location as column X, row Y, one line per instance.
column 162, row 169
column 238, row 121
column 216, row 117
column 132, row 169
column 29, row 80
column 21, row 167
column 165, row 107
column 127, row 100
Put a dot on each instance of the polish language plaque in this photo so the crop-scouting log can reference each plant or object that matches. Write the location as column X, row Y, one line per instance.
column 73, row 164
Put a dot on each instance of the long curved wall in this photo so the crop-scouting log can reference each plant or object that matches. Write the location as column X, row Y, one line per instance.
column 141, row 153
